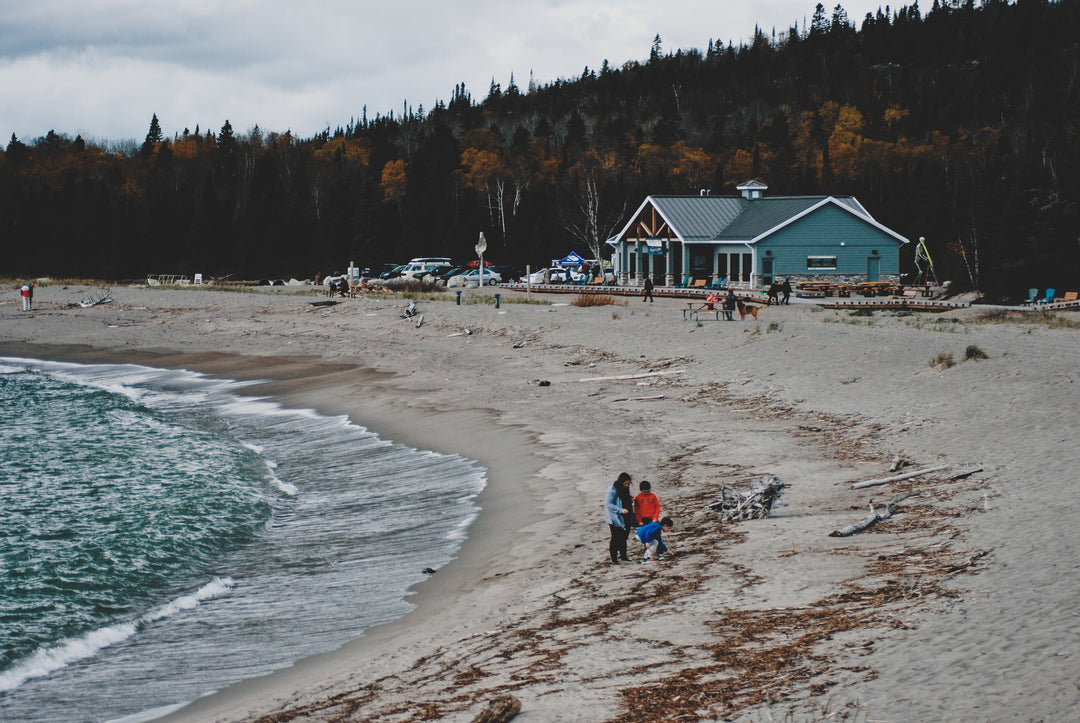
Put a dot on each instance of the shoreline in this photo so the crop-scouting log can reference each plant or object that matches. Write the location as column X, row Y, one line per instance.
column 941, row 612
column 504, row 452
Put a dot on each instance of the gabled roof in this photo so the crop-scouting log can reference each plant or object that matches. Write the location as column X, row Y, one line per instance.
column 720, row 219
column 696, row 218
column 692, row 219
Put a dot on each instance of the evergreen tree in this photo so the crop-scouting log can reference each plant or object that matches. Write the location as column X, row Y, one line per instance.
column 17, row 151
column 153, row 137
column 226, row 141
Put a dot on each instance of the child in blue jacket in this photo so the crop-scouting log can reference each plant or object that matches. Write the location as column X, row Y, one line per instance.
column 652, row 536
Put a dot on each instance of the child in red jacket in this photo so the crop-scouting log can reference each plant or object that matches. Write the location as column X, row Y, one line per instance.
column 646, row 504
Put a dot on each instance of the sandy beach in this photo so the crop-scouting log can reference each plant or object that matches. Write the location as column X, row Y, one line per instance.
column 964, row 605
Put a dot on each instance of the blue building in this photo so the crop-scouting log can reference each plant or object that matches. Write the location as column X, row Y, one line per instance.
column 751, row 240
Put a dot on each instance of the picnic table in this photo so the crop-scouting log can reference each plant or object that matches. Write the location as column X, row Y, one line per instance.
column 691, row 309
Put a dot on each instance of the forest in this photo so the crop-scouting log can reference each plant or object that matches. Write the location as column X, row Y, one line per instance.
column 958, row 124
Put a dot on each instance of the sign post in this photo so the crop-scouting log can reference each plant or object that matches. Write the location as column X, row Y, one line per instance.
column 481, row 247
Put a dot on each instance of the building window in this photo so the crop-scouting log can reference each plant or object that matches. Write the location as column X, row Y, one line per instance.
column 820, row 262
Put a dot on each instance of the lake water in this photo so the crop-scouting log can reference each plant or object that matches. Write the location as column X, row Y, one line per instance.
column 163, row 535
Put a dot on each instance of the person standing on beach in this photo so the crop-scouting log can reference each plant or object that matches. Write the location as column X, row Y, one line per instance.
column 729, row 304
column 646, row 504
column 618, row 509
column 647, row 296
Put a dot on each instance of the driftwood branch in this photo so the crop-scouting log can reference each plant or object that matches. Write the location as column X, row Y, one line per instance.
column 758, row 503
column 897, row 478
column 103, row 296
column 643, row 375
column 499, row 710
column 873, row 518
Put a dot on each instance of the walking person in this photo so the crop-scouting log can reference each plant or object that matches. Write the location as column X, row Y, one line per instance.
column 618, row 509
column 647, row 296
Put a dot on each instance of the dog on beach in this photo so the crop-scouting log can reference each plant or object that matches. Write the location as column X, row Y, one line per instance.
column 745, row 309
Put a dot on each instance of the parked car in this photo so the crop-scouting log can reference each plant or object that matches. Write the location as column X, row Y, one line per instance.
column 416, row 268
column 443, row 275
column 505, row 271
column 392, row 273
column 377, row 270
column 472, row 278
column 566, row 276
column 536, row 277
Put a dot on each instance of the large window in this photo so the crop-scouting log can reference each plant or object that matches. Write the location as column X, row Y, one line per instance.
column 820, row 262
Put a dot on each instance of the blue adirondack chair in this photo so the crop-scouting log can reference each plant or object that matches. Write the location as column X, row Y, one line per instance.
column 1049, row 297
column 1032, row 295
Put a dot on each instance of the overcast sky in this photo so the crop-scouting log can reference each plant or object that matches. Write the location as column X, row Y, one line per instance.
column 102, row 68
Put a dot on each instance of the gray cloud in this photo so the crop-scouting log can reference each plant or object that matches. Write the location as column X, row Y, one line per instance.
column 103, row 68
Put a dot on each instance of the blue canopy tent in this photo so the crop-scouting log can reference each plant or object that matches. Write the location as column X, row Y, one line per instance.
column 572, row 259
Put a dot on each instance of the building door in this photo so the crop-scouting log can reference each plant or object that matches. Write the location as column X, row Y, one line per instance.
column 873, row 268
column 766, row 271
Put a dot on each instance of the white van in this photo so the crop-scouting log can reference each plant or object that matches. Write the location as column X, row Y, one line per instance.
column 416, row 268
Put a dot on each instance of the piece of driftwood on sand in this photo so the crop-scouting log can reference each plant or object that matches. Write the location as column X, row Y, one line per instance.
column 499, row 710
column 896, row 478
column 653, row 398
column 103, row 296
column 872, row 518
column 756, row 504
column 643, row 375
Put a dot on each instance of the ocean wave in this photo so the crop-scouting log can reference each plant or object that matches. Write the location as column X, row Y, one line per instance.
column 48, row 660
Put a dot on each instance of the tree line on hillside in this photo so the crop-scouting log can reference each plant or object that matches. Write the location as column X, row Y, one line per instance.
column 960, row 125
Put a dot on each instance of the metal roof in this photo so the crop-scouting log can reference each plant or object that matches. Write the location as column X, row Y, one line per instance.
column 764, row 214
column 697, row 218
column 726, row 219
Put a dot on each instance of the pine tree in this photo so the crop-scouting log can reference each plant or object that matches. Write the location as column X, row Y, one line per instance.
column 657, row 45
column 153, row 137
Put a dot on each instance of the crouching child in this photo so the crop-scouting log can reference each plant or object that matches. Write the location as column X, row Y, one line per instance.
column 652, row 537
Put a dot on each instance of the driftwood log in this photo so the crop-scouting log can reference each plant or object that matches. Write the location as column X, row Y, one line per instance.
column 873, row 518
column 103, row 296
column 499, row 710
column 897, row 478
column 642, row 375
column 758, row 503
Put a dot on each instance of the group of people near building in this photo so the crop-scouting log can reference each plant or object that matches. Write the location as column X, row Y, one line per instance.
column 777, row 289
column 639, row 514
